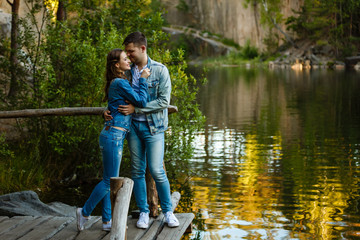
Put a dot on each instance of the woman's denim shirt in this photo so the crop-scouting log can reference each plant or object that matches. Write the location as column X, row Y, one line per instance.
column 159, row 84
column 119, row 91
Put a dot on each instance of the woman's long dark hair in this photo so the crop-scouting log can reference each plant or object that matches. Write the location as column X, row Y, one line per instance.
column 112, row 71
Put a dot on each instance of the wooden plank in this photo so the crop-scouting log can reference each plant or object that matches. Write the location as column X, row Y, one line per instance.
column 158, row 224
column 13, row 222
column 94, row 232
column 24, row 228
column 48, row 228
column 67, row 233
column 70, row 231
column 185, row 220
column 133, row 233
column 153, row 229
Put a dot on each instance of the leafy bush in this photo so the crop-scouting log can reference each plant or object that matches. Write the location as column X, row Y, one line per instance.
column 66, row 69
column 248, row 51
column 333, row 21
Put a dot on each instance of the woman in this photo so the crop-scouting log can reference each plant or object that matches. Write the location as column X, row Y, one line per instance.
column 117, row 91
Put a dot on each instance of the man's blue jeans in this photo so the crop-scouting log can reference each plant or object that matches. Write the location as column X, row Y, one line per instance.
column 111, row 144
column 145, row 147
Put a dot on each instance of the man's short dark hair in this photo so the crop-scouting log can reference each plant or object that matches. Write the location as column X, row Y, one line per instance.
column 137, row 38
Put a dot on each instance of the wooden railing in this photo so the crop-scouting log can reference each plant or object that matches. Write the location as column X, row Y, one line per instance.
column 121, row 188
column 66, row 111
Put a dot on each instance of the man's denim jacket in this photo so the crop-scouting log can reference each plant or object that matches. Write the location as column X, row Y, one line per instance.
column 119, row 91
column 159, row 89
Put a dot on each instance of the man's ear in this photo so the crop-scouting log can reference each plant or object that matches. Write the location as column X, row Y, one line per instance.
column 143, row 48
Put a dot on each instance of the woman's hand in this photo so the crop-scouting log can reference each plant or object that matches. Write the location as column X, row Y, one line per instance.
column 145, row 73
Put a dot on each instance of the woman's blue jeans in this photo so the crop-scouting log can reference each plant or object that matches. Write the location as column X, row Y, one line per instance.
column 111, row 144
column 145, row 147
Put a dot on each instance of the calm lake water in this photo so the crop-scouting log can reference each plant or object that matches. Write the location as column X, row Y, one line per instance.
column 279, row 157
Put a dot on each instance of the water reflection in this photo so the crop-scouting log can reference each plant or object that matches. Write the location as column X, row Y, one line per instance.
column 279, row 156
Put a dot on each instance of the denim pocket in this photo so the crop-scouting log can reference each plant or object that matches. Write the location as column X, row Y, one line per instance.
column 153, row 88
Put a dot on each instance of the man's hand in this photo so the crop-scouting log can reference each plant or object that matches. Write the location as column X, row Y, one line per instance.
column 107, row 115
column 126, row 109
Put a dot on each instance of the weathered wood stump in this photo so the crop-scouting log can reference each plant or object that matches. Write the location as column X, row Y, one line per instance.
column 120, row 195
column 152, row 194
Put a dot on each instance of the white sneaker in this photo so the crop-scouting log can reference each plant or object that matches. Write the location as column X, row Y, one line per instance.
column 171, row 220
column 107, row 226
column 143, row 221
column 80, row 219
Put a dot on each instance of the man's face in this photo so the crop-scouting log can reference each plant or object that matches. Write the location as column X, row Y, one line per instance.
column 134, row 53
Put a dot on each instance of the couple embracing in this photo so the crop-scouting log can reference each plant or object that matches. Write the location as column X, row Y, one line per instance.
column 138, row 97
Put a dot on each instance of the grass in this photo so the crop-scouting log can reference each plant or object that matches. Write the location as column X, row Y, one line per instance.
column 235, row 59
column 19, row 174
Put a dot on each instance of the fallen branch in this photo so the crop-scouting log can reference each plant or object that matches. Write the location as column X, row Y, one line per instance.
column 66, row 111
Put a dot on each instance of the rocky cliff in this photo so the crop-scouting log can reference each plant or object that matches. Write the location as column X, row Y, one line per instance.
column 228, row 18
column 5, row 16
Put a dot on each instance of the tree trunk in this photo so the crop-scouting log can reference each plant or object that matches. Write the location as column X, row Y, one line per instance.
column 256, row 21
column 14, row 83
column 61, row 11
column 287, row 37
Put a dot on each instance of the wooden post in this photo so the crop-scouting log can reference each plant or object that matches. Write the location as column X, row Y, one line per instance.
column 115, row 185
column 120, row 194
column 152, row 194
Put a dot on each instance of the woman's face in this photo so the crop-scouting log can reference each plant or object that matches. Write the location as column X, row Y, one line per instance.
column 124, row 63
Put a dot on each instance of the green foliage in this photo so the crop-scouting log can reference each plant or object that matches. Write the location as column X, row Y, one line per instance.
column 248, row 51
column 270, row 15
column 16, row 171
column 5, row 152
column 246, row 55
column 336, row 22
column 321, row 42
column 65, row 63
column 230, row 42
column 271, row 42
column 135, row 15
column 66, row 69
column 182, row 6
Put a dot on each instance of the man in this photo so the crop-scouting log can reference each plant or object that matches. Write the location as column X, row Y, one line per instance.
column 146, row 136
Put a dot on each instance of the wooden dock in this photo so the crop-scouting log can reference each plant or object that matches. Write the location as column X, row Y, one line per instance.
column 62, row 225
column 64, row 228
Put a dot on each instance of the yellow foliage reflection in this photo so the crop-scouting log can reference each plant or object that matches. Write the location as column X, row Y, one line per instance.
column 252, row 199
